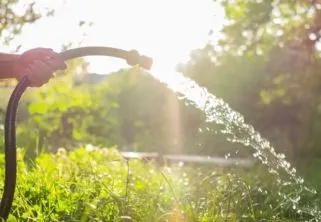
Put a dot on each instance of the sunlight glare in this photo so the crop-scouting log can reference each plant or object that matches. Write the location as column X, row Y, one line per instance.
column 166, row 30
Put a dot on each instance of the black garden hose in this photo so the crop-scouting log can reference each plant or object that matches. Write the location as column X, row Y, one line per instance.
column 132, row 58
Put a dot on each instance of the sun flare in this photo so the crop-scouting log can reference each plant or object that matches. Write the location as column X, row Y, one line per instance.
column 165, row 30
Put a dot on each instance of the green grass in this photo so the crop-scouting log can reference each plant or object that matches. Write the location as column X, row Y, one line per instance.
column 99, row 185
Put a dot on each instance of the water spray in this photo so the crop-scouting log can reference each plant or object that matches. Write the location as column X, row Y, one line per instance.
column 132, row 57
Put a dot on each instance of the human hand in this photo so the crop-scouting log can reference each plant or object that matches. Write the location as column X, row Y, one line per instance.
column 38, row 65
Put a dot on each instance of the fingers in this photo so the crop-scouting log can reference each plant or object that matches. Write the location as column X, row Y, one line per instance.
column 55, row 63
column 43, row 54
column 37, row 54
column 48, row 53
column 42, row 68
column 52, row 59
column 39, row 73
column 39, row 64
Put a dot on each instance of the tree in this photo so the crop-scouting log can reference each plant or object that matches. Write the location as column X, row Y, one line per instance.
column 267, row 67
column 14, row 18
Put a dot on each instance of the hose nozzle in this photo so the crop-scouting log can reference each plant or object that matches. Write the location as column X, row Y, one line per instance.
column 134, row 58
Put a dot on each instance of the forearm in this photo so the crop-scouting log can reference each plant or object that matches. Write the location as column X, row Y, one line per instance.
column 6, row 65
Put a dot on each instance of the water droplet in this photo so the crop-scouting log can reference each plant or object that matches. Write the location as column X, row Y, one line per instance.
column 233, row 126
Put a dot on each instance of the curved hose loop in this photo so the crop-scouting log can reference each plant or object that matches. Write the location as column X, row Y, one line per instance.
column 132, row 58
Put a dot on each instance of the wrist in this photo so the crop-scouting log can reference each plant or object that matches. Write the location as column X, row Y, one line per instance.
column 8, row 64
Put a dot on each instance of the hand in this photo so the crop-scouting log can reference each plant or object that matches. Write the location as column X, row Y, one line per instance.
column 38, row 65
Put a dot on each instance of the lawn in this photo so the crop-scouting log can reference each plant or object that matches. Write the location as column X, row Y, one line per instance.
column 99, row 185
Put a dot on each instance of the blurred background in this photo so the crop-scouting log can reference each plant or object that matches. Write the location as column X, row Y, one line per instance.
column 262, row 57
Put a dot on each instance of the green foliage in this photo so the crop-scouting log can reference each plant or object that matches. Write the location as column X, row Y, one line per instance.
column 99, row 185
column 14, row 16
column 127, row 108
column 267, row 67
column 151, row 117
column 62, row 114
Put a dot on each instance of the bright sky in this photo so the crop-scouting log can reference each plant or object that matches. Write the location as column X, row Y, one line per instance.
column 166, row 30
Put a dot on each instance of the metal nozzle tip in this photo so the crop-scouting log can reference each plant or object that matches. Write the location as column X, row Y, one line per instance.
column 135, row 59
column 146, row 62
